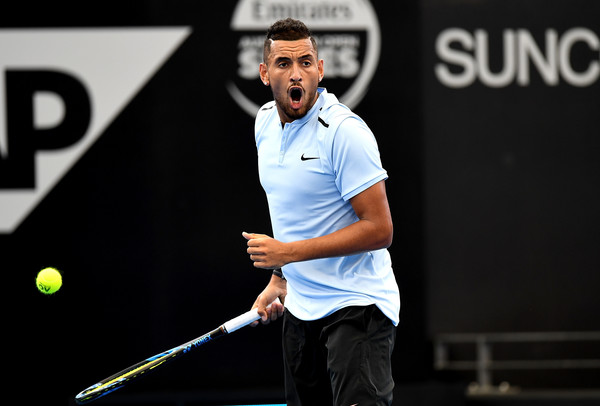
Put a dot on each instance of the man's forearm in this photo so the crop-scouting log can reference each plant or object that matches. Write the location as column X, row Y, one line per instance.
column 358, row 237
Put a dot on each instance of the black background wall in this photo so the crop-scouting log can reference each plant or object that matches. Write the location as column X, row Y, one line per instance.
column 494, row 193
column 512, row 170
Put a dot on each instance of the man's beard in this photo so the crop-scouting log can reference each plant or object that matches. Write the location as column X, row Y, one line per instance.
column 284, row 105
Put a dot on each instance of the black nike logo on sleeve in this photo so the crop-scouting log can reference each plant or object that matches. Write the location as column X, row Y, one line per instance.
column 308, row 158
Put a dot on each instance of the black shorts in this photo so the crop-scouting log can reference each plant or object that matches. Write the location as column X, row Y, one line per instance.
column 343, row 359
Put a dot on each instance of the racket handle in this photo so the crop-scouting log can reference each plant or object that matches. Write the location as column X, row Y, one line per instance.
column 244, row 319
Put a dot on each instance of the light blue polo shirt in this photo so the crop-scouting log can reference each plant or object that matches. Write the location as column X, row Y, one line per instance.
column 310, row 169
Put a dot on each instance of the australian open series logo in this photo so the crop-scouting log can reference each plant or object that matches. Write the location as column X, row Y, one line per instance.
column 347, row 34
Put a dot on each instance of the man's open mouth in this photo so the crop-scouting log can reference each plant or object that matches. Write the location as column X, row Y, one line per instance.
column 296, row 96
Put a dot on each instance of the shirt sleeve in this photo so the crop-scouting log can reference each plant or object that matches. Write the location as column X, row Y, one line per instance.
column 355, row 158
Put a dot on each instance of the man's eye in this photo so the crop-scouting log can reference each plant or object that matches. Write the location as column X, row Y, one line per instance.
column 283, row 64
column 306, row 63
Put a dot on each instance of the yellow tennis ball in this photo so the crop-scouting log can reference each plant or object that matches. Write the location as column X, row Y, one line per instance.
column 48, row 281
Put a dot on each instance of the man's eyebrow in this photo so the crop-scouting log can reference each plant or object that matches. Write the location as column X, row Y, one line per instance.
column 287, row 58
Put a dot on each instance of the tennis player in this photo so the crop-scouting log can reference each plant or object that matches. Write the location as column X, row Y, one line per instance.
column 320, row 167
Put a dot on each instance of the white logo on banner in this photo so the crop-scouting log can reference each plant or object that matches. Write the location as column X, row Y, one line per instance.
column 59, row 90
column 466, row 57
column 346, row 31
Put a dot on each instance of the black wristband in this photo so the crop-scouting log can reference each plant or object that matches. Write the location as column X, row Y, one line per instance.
column 278, row 273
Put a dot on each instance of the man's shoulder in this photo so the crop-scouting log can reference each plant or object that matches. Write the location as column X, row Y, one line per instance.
column 264, row 114
column 267, row 106
column 333, row 111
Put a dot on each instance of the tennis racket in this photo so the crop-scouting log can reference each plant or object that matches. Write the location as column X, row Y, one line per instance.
column 138, row 370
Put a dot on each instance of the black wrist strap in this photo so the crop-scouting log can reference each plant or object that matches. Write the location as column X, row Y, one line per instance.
column 278, row 273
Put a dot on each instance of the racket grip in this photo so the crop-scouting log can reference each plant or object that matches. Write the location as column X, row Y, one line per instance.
column 244, row 319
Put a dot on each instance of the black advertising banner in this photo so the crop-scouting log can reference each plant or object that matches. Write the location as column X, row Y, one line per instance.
column 512, row 176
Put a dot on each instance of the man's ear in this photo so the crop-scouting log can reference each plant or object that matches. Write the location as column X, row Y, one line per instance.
column 321, row 69
column 264, row 74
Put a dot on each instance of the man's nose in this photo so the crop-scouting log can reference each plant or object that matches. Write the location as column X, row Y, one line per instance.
column 296, row 74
